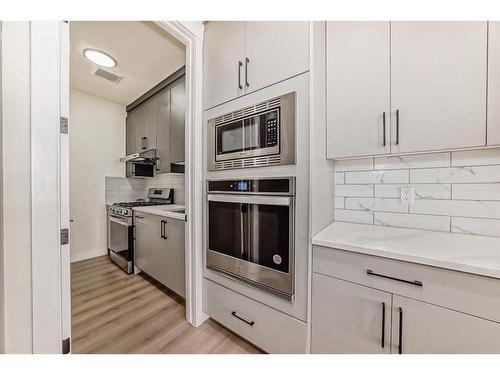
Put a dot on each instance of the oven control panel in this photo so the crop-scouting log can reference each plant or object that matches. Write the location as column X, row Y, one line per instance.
column 253, row 186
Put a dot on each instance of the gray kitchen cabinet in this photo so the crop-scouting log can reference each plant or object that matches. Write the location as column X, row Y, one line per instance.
column 349, row 318
column 174, row 254
column 163, row 127
column 132, row 123
column 422, row 328
column 148, row 246
column 146, row 130
column 159, row 249
column 177, row 120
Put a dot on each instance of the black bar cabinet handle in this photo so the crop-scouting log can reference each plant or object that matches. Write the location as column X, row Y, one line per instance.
column 415, row 282
column 397, row 127
column 243, row 320
column 383, row 124
column 400, row 344
column 247, row 60
column 162, row 230
column 240, row 64
column 383, row 325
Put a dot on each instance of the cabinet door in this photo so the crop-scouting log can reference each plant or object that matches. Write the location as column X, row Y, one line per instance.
column 163, row 125
column 223, row 51
column 276, row 50
column 494, row 83
column 146, row 130
column 177, row 116
column 432, row 329
column 349, row 318
column 358, row 88
column 149, row 245
column 132, row 122
column 174, row 264
column 438, row 83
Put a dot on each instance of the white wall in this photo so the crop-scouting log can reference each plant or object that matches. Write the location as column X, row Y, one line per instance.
column 2, row 338
column 97, row 141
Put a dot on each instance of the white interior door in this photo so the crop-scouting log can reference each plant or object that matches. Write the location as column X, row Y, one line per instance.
column 358, row 88
column 438, row 85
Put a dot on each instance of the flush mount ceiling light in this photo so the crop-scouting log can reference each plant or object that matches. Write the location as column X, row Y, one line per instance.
column 99, row 58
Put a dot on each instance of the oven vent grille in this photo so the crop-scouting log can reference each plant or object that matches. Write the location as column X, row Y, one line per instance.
column 247, row 111
column 261, row 161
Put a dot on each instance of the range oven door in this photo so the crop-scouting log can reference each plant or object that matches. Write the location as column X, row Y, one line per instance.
column 252, row 238
column 257, row 135
column 119, row 235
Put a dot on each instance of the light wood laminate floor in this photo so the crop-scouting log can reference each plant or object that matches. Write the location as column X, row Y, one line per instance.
column 113, row 312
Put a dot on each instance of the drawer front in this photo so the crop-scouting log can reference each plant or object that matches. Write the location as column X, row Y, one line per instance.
column 472, row 294
column 269, row 329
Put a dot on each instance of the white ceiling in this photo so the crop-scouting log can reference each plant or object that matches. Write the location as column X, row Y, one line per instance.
column 144, row 52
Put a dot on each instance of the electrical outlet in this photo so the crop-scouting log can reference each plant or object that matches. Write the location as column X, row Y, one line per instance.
column 407, row 193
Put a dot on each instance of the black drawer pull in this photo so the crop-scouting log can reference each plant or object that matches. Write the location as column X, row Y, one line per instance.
column 415, row 282
column 383, row 325
column 400, row 343
column 243, row 320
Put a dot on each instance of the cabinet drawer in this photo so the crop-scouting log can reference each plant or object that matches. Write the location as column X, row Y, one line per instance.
column 265, row 327
column 472, row 294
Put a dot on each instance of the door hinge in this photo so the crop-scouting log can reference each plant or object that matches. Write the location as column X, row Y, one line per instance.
column 64, row 125
column 66, row 345
column 64, row 236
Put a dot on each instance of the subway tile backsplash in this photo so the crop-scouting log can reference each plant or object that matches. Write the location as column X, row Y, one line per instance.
column 453, row 191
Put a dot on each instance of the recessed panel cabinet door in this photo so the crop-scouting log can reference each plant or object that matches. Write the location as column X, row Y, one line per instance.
column 223, row 50
column 494, row 83
column 358, row 88
column 174, row 264
column 430, row 329
column 349, row 318
column 438, row 85
column 276, row 50
column 148, row 245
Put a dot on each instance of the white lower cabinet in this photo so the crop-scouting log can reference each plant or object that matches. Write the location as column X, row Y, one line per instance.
column 349, row 318
column 368, row 304
column 421, row 328
column 263, row 326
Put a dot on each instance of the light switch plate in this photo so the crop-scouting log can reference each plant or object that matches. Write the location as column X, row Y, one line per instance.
column 407, row 193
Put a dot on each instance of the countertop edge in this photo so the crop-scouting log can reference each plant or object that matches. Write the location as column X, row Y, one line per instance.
column 164, row 213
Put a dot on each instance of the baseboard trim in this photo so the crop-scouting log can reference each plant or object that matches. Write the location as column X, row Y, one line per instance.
column 88, row 255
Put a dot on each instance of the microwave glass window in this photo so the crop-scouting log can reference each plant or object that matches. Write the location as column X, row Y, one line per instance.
column 252, row 133
column 230, row 138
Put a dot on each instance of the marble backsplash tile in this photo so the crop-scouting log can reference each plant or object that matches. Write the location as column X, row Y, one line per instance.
column 454, row 191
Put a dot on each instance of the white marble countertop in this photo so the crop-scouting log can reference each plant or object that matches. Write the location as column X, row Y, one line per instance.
column 461, row 252
column 168, row 210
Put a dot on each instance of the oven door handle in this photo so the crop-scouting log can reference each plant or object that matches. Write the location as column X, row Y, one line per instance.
column 117, row 220
column 250, row 199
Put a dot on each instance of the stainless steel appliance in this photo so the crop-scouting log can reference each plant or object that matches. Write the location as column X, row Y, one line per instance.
column 250, row 230
column 121, row 226
column 256, row 136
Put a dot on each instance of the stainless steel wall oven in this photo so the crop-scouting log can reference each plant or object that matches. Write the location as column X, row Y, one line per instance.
column 250, row 230
column 255, row 136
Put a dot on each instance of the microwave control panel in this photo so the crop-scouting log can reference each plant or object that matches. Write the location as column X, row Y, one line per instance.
column 272, row 128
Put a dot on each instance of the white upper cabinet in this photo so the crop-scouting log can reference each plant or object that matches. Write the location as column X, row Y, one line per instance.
column 438, row 85
column 429, row 78
column 275, row 51
column 494, row 84
column 241, row 57
column 358, row 88
column 223, row 59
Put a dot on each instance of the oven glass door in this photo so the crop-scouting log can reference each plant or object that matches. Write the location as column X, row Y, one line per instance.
column 253, row 231
column 118, row 235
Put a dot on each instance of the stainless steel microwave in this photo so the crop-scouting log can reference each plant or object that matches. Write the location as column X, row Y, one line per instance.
column 255, row 136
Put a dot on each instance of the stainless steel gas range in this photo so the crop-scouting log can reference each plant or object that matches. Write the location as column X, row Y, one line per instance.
column 121, row 226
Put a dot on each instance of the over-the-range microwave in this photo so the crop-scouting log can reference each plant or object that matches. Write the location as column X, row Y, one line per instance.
column 259, row 135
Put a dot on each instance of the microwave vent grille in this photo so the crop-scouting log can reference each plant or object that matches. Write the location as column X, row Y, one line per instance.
column 261, row 161
column 272, row 103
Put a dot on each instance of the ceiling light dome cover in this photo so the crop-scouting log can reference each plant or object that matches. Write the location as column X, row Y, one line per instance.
column 100, row 58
